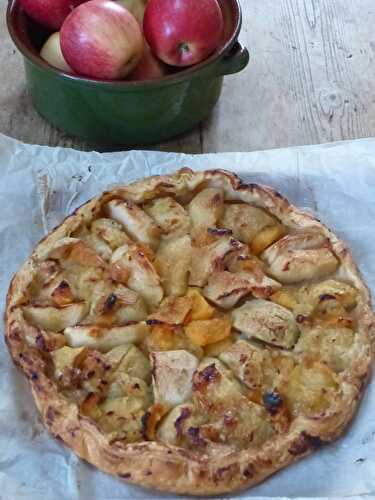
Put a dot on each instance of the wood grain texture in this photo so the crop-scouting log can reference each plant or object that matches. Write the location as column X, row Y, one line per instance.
column 311, row 80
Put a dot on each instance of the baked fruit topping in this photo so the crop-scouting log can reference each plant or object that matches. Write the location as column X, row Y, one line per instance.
column 192, row 333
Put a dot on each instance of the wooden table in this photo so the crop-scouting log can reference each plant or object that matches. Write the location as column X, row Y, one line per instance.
column 311, row 80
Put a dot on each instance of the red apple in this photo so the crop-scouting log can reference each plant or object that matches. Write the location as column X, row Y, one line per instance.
column 51, row 52
column 183, row 32
column 149, row 67
column 101, row 39
column 50, row 13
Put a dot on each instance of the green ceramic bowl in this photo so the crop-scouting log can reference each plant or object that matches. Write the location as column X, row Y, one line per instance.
column 126, row 113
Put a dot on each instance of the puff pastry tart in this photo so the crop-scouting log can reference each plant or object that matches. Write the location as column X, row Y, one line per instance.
column 192, row 333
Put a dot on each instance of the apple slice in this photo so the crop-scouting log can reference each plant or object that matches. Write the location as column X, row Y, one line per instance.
column 55, row 319
column 140, row 274
column 105, row 339
column 172, row 376
column 140, row 226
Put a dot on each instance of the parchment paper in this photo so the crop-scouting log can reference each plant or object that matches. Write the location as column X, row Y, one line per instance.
column 40, row 185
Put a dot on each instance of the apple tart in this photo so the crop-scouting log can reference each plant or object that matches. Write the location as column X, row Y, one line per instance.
column 192, row 333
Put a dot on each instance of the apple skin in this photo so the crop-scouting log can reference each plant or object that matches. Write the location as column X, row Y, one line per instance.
column 49, row 13
column 149, row 68
column 51, row 53
column 180, row 32
column 101, row 39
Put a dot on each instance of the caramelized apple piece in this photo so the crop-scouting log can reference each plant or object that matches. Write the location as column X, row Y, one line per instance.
column 138, row 225
column 122, row 384
column 266, row 321
column 260, row 369
column 206, row 208
column 170, row 216
column 225, row 289
column 55, row 319
column 173, row 262
column 151, row 420
column 142, row 276
column 328, row 293
column 296, row 258
column 93, row 241
column 111, row 232
column 105, row 339
column 174, row 427
column 66, row 357
column 121, row 418
column 311, row 390
column 114, row 305
column 331, row 345
column 246, row 221
column 127, row 358
column 210, row 259
column 232, row 418
column 172, row 311
column 44, row 340
column 247, row 363
column 172, row 374
column 62, row 294
column 74, row 251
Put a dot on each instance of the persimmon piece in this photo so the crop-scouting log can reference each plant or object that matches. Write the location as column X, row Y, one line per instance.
column 201, row 308
column 205, row 332
column 213, row 350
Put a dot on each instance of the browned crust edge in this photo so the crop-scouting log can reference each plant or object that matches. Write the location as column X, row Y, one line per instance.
column 169, row 468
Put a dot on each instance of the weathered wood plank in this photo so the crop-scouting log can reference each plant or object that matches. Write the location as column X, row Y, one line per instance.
column 311, row 79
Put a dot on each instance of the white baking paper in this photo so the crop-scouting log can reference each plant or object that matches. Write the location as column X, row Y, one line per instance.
column 40, row 185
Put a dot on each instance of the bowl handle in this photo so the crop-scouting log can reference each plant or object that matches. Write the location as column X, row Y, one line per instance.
column 235, row 61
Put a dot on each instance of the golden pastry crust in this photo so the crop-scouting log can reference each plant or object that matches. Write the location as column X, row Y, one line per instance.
column 168, row 467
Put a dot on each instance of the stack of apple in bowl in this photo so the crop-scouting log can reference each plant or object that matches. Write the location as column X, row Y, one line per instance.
column 127, row 39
